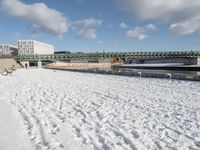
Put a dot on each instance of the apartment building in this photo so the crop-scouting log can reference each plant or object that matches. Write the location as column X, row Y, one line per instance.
column 32, row 47
column 8, row 50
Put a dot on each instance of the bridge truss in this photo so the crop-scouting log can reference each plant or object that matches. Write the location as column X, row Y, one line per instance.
column 97, row 56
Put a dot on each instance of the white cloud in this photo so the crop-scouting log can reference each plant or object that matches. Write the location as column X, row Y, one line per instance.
column 123, row 25
column 87, row 23
column 137, row 33
column 140, row 33
column 186, row 27
column 40, row 17
column 150, row 27
column 180, row 15
column 87, row 27
column 87, row 33
column 159, row 9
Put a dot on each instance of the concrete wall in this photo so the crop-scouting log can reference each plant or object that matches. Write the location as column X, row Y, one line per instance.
column 39, row 64
column 79, row 61
column 7, row 63
column 106, row 60
column 198, row 61
column 186, row 61
column 78, row 65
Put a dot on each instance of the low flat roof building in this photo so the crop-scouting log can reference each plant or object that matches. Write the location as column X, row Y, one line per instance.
column 8, row 50
column 32, row 47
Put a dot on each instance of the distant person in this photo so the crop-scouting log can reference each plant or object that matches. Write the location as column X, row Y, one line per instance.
column 26, row 65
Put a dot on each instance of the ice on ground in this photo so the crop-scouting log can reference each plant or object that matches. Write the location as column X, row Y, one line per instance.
column 73, row 111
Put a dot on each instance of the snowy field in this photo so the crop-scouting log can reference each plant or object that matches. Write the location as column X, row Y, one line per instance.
column 43, row 109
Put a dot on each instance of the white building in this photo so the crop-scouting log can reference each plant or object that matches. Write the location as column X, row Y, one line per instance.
column 31, row 47
column 8, row 50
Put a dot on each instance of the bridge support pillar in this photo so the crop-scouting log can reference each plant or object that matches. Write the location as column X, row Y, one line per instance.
column 198, row 60
column 39, row 64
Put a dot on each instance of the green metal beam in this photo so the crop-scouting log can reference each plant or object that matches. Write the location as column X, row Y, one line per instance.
column 94, row 56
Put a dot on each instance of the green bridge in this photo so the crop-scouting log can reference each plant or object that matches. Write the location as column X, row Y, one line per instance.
column 93, row 57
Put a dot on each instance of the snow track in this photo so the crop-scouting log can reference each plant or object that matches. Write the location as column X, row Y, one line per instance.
column 13, row 135
column 65, row 110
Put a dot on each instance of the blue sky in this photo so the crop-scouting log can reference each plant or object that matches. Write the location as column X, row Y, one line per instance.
column 103, row 25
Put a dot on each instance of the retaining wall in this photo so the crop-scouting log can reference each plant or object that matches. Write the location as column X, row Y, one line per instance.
column 136, row 74
column 7, row 63
column 186, row 61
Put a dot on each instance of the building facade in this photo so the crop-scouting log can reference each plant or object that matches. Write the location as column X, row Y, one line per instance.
column 31, row 47
column 8, row 50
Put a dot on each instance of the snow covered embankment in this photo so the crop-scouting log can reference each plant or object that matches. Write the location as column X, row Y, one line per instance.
column 65, row 110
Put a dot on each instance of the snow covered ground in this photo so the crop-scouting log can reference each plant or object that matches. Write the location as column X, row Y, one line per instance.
column 43, row 109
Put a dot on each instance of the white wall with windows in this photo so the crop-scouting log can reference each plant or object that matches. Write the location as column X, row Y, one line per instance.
column 8, row 50
column 31, row 47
